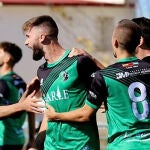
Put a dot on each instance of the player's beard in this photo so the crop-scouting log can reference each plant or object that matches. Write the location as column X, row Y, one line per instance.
column 37, row 54
column 1, row 63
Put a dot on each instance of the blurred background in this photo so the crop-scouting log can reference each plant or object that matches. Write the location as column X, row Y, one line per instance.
column 86, row 24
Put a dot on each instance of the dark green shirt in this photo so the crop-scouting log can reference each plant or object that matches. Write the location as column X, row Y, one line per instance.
column 125, row 88
column 12, row 87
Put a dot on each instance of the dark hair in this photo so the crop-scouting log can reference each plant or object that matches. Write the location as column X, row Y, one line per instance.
column 128, row 35
column 144, row 24
column 43, row 20
column 14, row 50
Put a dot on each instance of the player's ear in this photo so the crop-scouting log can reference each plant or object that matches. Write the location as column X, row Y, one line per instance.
column 45, row 39
column 141, row 41
column 42, row 38
column 116, row 44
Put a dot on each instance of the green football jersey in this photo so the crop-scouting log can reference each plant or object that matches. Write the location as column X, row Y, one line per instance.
column 11, row 132
column 65, row 88
column 125, row 88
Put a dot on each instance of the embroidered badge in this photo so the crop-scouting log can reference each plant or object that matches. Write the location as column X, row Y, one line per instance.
column 64, row 75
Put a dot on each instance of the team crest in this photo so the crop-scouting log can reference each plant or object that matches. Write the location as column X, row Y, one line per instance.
column 64, row 75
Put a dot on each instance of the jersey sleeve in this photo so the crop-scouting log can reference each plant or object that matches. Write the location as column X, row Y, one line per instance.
column 3, row 89
column 97, row 93
column 86, row 67
column 4, row 93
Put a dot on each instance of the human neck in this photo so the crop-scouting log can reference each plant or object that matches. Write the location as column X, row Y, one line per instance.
column 53, row 53
column 143, row 52
column 5, row 69
column 122, row 54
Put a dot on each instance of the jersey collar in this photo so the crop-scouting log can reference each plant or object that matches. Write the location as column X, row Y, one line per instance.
column 55, row 63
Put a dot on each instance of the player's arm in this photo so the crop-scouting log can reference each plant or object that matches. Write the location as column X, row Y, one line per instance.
column 9, row 110
column 79, row 115
column 39, row 141
column 77, row 51
column 6, row 107
column 97, row 94
column 27, row 103
column 31, row 116
column 31, row 128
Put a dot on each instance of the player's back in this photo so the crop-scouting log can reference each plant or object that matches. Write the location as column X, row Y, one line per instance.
column 128, row 104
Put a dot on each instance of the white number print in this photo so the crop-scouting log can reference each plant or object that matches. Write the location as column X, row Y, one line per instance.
column 136, row 99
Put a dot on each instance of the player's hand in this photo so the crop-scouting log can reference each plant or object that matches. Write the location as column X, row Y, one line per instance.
column 77, row 51
column 30, row 103
column 50, row 113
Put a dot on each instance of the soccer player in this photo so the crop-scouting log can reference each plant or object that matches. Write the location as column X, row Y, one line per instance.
column 12, row 87
column 64, row 84
column 143, row 49
column 124, row 87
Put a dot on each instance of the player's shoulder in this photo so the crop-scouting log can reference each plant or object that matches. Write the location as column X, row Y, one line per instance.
column 146, row 59
column 84, row 60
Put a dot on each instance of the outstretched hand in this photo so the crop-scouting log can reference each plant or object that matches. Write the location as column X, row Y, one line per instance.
column 28, row 102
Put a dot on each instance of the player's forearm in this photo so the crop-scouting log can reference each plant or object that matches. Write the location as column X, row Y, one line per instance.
column 10, row 109
column 79, row 115
column 70, row 117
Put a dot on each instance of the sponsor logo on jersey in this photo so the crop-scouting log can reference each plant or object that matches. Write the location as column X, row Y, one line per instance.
column 135, row 72
column 121, row 75
column 130, row 65
column 56, row 95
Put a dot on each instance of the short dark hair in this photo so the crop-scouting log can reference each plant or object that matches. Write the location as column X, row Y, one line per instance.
column 144, row 24
column 128, row 34
column 42, row 20
column 14, row 50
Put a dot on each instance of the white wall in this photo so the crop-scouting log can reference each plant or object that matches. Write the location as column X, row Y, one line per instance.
column 85, row 27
